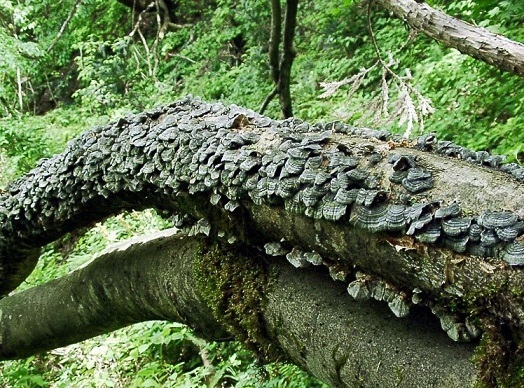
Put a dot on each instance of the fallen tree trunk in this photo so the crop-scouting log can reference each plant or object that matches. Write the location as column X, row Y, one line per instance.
column 305, row 315
column 409, row 223
column 475, row 41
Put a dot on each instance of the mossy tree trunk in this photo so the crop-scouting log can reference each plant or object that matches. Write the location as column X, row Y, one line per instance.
column 302, row 315
column 417, row 224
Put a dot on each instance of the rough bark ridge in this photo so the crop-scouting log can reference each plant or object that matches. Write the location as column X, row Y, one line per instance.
column 384, row 214
column 477, row 42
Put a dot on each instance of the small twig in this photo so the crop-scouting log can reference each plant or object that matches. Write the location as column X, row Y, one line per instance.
column 49, row 87
column 5, row 104
column 384, row 93
column 355, row 80
column 159, row 35
column 146, row 47
column 268, row 99
column 19, row 83
column 136, row 26
column 30, row 86
column 64, row 25
column 138, row 56
column 182, row 56
column 136, row 29
column 407, row 111
column 176, row 26
column 166, row 22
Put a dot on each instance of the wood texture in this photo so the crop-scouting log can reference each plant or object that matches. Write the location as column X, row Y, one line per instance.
column 478, row 42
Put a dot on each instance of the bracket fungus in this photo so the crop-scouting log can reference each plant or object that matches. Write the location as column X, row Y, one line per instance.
column 324, row 177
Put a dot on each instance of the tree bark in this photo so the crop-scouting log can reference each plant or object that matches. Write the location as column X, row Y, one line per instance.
column 281, row 67
column 363, row 345
column 478, row 42
column 126, row 285
column 274, row 50
column 419, row 219
column 288, row 55
column 274, row 40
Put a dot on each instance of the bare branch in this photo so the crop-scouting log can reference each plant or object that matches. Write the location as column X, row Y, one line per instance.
column 268, row 99
column 409, row 114
column 137, row 29
column 64, row 25
column 19, row 84
column 477, row 42
column 355, row 81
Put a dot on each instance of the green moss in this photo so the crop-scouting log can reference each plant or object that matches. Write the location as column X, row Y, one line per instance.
column 499, row 358
column 517, row 292
column 233, row 282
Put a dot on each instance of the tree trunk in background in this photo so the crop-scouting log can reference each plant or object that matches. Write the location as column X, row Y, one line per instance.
column 136, row 5
column 281, row 64
column 413, row 224
column 288, row 55
column 474, row 41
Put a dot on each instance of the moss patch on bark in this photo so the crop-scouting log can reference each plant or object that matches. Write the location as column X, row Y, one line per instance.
column 234, row 282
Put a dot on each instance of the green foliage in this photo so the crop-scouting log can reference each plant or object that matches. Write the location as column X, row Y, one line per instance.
column 16, row 53
column 77, row 249
column 27, row 138
column 475, row 104
column 102, row 70
column 32, row 74
column 151, row 354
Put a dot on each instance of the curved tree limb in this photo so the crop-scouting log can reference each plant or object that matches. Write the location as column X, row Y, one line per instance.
column 354, row 199
column 477, row 42
column 121, row 287
column 155, row 277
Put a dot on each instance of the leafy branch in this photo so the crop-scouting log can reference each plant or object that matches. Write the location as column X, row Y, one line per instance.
column 72, row 12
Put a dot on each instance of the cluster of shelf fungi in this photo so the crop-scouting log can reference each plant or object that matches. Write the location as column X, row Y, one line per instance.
column 234, row 155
